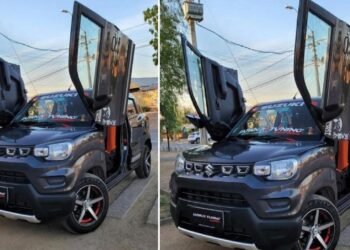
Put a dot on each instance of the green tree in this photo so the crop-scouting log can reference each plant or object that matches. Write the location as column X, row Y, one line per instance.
column 171, row 69
column 151, row 17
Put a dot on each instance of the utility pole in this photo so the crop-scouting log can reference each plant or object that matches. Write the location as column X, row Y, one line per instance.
column 314, row 51
column 193, row 12
column 315, row 58
column 87, row 58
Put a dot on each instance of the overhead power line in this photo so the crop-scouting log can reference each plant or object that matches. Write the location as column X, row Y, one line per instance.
column 47, row 62
column 66, row 67
column 268, row 66
column 263, row 84
column 134, row 26
column 30, row 46
column 244, row 46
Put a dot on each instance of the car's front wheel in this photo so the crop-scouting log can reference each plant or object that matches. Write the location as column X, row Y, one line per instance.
column 91, row 205
column 320, row 225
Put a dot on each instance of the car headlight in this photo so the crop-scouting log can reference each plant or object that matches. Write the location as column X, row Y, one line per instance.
column 54, row 152
column 179, row 163
column 277, row 170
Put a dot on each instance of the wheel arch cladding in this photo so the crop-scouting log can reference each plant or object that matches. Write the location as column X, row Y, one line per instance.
column 321, row 182
column 93, row 162
column 328, row 193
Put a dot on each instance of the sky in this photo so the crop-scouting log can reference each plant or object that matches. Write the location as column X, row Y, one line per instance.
column 260, row 24
column 41, row 23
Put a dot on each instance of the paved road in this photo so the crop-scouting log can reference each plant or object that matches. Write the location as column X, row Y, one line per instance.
column 130, row 232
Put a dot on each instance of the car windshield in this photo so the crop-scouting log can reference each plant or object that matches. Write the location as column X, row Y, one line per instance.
column 59, row 109
column 278, row 121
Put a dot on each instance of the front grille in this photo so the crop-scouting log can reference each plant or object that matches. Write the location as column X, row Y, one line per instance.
column 217, row 198
column 13, row 177
column 17, row 203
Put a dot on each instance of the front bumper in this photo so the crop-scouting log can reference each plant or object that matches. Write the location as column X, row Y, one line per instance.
column 25, row 203
column 218, row 241
column 255, row 216
column 36, row 190
column 242, row 228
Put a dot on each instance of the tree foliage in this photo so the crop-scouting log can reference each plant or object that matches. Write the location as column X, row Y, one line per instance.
column 172, row 70
column 151, row 17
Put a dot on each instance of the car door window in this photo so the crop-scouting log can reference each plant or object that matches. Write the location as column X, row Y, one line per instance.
column 196, row 80
column 318, row 37
column 88, row 52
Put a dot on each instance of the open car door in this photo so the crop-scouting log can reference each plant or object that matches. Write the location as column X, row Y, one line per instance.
column 214, row 91
column 12, row 92
column 100, row 60
column 322, row 69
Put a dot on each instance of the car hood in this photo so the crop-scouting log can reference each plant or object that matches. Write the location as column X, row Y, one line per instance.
column 242, row 151
column 36, row 135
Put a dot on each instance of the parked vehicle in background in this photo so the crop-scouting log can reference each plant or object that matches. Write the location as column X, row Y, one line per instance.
column 194, row 137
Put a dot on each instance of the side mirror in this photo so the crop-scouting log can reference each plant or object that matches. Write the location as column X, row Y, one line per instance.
column 195, row 120
column 332, row 111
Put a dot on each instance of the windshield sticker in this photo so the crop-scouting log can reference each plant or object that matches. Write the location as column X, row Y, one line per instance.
column 53, row 117
column 59, row 95
column 283, row 105
column 275, row 130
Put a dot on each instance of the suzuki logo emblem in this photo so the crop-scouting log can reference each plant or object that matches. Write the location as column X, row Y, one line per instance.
column 209, row 170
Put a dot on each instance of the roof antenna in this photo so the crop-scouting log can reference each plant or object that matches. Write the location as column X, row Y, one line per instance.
column 295, row 96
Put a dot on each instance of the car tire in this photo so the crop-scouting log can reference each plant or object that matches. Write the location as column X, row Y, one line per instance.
column 322, row 227
column 91, row 205
column 197, row 141
column 144, row 170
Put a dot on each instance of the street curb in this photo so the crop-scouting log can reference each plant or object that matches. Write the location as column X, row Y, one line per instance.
column 126, row 200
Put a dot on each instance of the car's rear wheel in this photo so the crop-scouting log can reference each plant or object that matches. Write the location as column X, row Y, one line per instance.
column 320, row 225
column 91, row 205
column 144, row 170
column 197, row 140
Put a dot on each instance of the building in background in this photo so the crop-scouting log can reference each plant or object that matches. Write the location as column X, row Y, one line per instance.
column 146, row 92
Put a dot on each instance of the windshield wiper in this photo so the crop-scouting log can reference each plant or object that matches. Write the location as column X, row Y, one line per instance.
column 38, row 124
column 258, row 137
column 269, row 137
